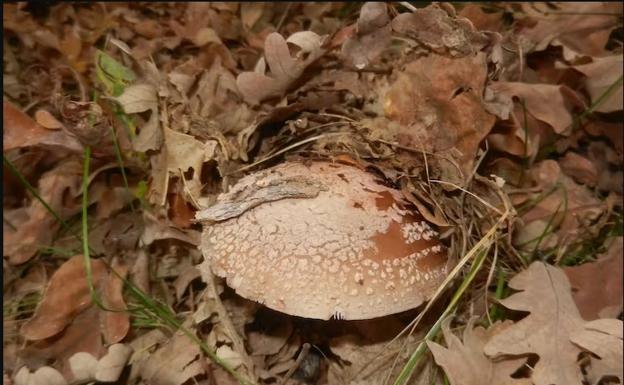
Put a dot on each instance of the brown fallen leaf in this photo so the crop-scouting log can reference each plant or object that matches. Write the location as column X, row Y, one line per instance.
column 140, row 98
column 373, row 35
column 544, row 101
column 597, row 286
column 256, row 86
column 115, row 323
column 19, row 130
column 251, row 12
column 174, row 363
column 184, row 152
column 602, row 74
column 583, row 27
column 63, row 323
column 437, row 100
column 65, row 297
column 563, row 207
column 603, row 337
column 34, row 226
column 483, row 21
column 180, row 212
column 579, row 168
column 47, row 120
column 436, row 29
column 546, row 331
column 79, row 336
column 466, row 364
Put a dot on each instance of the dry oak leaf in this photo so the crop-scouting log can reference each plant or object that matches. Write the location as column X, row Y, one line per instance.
column 564, row 206
column 544, row 101
column 580, row 168
column 33, row 225
column 436, row 29
column 603, row 337
column 174, row 363
column 67, row 322
column 583, row 26
column 66, row 296
column 373, row 35
column 602, row 74
column 438, row 102
column 545, row 294
column 466, row 364
column 256, row 86
column 597, row 286
column 185, row 152
column 140, row 98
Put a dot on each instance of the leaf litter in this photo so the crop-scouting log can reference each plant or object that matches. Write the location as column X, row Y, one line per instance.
column 509, row 108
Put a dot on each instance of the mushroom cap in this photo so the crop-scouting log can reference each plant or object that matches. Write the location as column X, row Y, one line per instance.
column 322, row 240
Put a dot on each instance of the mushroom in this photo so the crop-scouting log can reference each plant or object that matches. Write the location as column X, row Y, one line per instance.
column 322, row 240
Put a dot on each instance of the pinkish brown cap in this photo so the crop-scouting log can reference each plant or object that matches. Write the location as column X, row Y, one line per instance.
column 322, row 240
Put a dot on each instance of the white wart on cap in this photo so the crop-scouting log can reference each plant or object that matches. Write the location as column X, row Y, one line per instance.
column 322, row 240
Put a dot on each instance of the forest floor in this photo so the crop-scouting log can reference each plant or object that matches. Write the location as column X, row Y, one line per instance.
column 500, row 123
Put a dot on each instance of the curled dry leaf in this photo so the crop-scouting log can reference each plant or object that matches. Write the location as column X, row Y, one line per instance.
column 33, row 226
column 78, row 336
column 580, row 168
column 19, row 130
column 65, row 297
column 373, row 35
column 483, row 21
column 564, row 209
column 582, row 27
column 140, row 98
column 545, row 294
column 115, row 323
column 256, row 87
column 544, row 101
column 68, row 294
column 465, row 363
column 604, row 74
column 47, row 120
column 184, row 152
column 597, row 286
column 63, row 323
column 603, row 337
column 435, row 28
column 174, row 363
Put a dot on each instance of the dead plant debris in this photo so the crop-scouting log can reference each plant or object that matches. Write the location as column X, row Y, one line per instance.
column 131, row 129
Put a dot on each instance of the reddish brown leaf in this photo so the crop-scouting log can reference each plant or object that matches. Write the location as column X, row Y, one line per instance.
column 597, row 286
column 81, row 335
column 579, row 168
column 435, row 28
column 116, row 323
column 67, row 296
column 180, row 212
column 483, row 21
column 438, row 102
column 19, row 130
